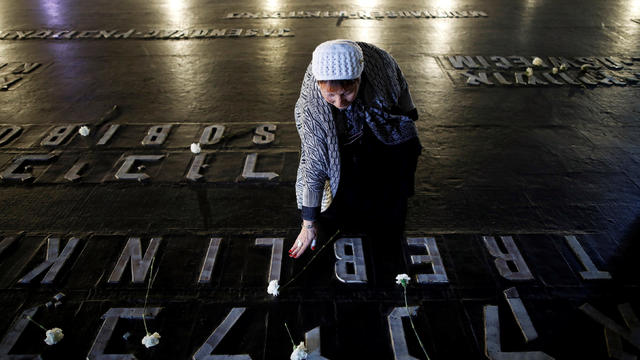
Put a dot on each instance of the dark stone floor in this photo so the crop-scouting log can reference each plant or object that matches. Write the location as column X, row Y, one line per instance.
column 537, row 159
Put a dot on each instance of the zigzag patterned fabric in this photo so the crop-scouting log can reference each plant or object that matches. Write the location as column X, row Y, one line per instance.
column 386, row 89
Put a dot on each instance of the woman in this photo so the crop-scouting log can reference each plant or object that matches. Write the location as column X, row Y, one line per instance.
column 359, row 144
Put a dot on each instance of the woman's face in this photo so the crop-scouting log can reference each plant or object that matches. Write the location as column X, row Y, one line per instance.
column 339, row 96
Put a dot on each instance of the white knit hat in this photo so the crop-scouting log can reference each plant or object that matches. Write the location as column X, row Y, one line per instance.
column 337, row 60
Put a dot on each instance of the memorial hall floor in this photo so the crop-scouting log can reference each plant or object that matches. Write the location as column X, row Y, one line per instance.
column 520, row 240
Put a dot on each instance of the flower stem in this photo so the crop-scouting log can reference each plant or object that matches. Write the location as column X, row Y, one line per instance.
column 290, row 337
column 146, row 297
column 313, row 258
column 35, row 322
column 406, row 306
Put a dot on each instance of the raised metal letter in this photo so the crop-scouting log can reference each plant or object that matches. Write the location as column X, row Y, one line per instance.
column 356, row 260
column 124, row 174
column 592, row 271
column 249, row 169
column 512, row 254
column 501, row 79
column 58, row 135
column 8, row 133
column 398, row 341
column 108, row 134
column 204, row 352
column 74, row 173
column 139, row 266
column 520, row 313
column 10, row 172
column 156, row 135
column 108, row 326
column 614, row 346
column 52, row 261
column 473, row 79
column 501, row 62
column 551, row 79
column 209, row 261
column 439, row 274
column 533, row 80
column 263, row 134
column 196, row 165
column 630, row 333
column 460, row 62
column 568, row 79
column 312, row 342
column 276, row 255
column 492, row 347
column 12, row 335
column 211, row 134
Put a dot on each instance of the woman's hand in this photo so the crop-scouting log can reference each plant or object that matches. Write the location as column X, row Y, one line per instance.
column 307, row 235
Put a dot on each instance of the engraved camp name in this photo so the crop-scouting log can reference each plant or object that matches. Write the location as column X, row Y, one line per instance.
column 350, row 268
column 160, row 34
column 516, row 70
column 360, row 14
column 113, row 159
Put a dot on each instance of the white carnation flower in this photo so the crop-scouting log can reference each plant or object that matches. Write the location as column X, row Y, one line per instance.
column 299, row 353
column 554, row 70
column 151, row 340
column 195, row 148
column 585, row 67
column 537, row 61
column 273, row 288
column 563, row 67
column 529, row 71
column 53, row 336
column 402, row 279
column 84, row 130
